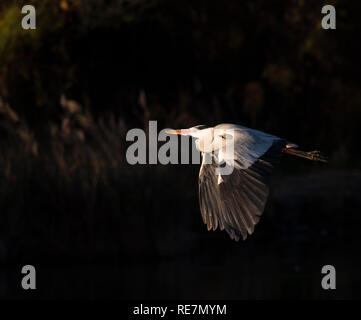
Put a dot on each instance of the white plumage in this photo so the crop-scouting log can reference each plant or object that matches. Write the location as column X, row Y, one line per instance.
column 235, row 201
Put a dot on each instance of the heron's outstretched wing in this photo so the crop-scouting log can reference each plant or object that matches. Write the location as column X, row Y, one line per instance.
column 236, row 203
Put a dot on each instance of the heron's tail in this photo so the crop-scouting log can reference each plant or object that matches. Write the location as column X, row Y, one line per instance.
column 311, row 155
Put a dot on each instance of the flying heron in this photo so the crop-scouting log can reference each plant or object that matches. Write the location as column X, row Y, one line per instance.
column 236, row 201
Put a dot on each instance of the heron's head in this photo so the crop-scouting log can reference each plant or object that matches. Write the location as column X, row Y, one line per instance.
column 196, row 131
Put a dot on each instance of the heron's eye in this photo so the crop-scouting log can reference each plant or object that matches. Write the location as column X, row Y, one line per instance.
column 226, row 136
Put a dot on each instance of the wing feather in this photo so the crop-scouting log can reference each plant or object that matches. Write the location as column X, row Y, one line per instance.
column 237, row 203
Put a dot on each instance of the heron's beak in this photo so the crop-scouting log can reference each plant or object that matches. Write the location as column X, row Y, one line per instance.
column 183, row 132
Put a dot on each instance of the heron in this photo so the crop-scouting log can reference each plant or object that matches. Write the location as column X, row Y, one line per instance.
column 235, row 202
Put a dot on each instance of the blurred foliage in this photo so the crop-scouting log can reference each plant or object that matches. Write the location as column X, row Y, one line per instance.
column 267, row 64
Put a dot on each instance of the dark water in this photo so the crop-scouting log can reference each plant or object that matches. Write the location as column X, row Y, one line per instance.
column 311, row 220
column 263, row 277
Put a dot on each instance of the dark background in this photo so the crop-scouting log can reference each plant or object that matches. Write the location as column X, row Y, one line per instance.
column 95, row 226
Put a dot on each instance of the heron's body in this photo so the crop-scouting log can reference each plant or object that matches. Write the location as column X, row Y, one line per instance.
column 235, row 202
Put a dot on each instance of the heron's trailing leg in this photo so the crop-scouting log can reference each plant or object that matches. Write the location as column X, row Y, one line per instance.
column 311, row 155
